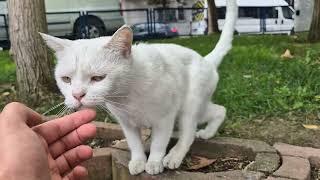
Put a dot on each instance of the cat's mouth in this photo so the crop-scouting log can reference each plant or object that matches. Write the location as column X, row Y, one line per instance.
column 81, row 107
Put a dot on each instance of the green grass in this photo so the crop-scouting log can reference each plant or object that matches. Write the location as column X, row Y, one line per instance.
column 255, row 81
column 267, row 97
column 7, row 68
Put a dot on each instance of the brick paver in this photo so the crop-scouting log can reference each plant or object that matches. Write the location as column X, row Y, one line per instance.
column 294, row 168
column 305, row 152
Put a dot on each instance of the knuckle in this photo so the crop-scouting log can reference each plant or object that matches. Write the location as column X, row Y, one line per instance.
column 16, row 106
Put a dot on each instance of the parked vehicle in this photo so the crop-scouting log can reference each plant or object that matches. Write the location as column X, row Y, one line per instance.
column 260, row 16
column 79, row 18
column 153, row 30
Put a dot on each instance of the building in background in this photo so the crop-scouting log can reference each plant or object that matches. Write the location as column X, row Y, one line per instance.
column 188, row 16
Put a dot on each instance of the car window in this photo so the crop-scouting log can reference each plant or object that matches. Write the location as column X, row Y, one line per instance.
column 221, row 12
column 158, row 26
column 248, row 12
column 287, row 12
column 139, row 28
column 270, row 12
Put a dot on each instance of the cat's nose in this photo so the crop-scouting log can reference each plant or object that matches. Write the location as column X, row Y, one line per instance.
column 78, row 96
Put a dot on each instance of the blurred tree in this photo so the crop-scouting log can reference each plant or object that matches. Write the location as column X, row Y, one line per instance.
column 33, row 62
column 212, row 17
column 314, row 33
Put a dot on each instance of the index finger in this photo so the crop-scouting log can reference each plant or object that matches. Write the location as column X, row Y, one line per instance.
column 56, row 129
column 16, row 113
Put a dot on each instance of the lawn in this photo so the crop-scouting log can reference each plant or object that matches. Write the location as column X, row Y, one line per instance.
column 267, row 97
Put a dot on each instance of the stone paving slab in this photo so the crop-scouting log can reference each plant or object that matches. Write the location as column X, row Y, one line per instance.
column 254, row 145
column 295, row 160
column 265, row 162
column 262, row 162
column 277, row 178
column 312, row 154
column 120, row 171
column 108, row 131
column 99, row 166
column 294, row 168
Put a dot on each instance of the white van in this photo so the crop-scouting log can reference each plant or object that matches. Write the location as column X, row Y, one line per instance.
column 63, row 17
column 260, row 16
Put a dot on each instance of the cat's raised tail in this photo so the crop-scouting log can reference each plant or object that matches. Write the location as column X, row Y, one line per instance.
column 225, row 42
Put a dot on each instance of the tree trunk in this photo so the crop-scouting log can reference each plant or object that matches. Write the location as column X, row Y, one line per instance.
column 164, row 3
column 314, row 33
column 33, row 62
column 212, row 17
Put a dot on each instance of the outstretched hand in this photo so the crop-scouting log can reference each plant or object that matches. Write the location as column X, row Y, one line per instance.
column 52, row 150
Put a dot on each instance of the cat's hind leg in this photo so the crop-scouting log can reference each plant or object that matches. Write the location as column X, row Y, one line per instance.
column 187, row 131
column 214, row 116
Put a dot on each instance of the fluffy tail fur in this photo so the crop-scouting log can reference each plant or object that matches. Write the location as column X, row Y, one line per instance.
column 225, row 42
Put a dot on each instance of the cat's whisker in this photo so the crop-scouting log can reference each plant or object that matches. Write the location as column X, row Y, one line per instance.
column 121, row 109
column 111, row 95
column 65, row 112
column 53, row 108
column 69, row 111
column 120, row 104
column 98, row 107
column 103, row 108
column 116, row 96
column 105, row 97
column 62, row 111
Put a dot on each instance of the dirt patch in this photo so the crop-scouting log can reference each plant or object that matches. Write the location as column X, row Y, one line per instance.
column 287, row 130
column 216, row 165
column 99, row 143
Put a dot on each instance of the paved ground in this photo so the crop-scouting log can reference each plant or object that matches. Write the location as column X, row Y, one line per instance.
column 280, row 162
column 296, row 162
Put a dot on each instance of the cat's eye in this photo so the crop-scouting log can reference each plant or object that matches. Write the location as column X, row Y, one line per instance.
column 97, row 78
column 66, row 79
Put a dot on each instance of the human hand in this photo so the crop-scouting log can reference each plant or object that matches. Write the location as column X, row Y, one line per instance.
column 51, row 150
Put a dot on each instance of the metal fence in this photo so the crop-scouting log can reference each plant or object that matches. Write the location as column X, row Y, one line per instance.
column 146, row 23
column 90, row 24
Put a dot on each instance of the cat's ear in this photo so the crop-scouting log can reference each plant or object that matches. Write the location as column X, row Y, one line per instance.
column 122, row 41
column 55, row 43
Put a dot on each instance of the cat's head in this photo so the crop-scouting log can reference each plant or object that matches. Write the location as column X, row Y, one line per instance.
column 88, row 71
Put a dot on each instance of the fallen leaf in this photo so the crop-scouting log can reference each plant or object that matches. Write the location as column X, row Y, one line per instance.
column 247, row 76
column 310, row 126
column 317, row 98
column 5, row 94
column 287, row 55
column 199, row 162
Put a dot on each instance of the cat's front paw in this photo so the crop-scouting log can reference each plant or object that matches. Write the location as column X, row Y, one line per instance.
column 174, row 159
column 203, row 134
column 154, row 167
column 136, row 166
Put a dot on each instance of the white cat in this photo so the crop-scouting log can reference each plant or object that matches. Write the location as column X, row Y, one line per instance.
column 146, row 85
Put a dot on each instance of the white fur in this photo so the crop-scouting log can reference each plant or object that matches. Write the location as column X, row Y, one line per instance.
column 146, row 85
